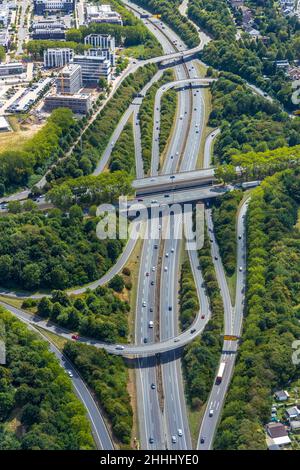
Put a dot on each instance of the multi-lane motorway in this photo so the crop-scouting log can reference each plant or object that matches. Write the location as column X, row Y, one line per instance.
column 161, row 406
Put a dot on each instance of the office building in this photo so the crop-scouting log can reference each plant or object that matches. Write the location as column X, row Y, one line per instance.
column 79, row 104
column 69, row 80
column 57, row 57
column 45, row 34
column 48, row 29
column 102, row 14
column 93, row 68
column 4, row 38
column 102, row 43
column 12, row 68
column 43, row 6
column 96, row 51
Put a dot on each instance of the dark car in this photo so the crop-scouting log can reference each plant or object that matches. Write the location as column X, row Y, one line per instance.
column 202, row 440
column 145, row 340
column 151, row 440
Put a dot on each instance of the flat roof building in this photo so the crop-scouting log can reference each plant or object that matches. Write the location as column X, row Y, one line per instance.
column 69, row 80
column 79, row 104
column 93, row 68
column 4, row 38
column 102, row 43
column 102, row 14
column 49, row 33
column 43, row 6
column 57, row 57
column 12, row 68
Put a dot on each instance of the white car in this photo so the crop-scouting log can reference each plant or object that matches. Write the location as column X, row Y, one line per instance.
column 167, row 255
column 120, row 348
column 180, row 432
column 172, row 250
column 70, row 373
column 241, row 269
column 174, row 440
column 144, row 304
column 153, row 268
column 166, row 268
column 211, row 413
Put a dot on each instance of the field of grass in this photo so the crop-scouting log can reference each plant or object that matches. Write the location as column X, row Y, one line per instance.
column 22, row 131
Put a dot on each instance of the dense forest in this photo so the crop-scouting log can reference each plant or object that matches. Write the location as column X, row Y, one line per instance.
column 54, row 250
column 272, row 317
column 107, row 376
column 188, row 298
column 38, row 407
column 248, row 121
column 96, row 314
column 254, row 60
column 225, row 211
column 48, row 144
column 146, row 114
column 87, row 190
column 123, row 154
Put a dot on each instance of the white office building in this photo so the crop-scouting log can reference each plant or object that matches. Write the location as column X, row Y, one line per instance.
column 102, row 14
column 57, row 57
column 93, row 68
column 69, row 80
column 102, row 44
column 12, row 68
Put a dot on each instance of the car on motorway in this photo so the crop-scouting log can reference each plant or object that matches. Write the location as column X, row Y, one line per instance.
column 150, row 324
column 216, row 258
column 240, row 237
column 144, row 303
column 172, row 250
column 120, row 348
column 176, row 340
column 211, row 413
column 151, row 440
column 153, row 269
column 203, row 316
column 180, row 432
column 202, row 440
column 167, row 255
column 170, row 308
column 174, row 440
column 152, row 283
column 166, row 269
column 147, row 274
column 193, row 330
column 145, row 340
column 154, row 201
column 75, row 337
column 151, row 309
column 156, row 246
column 240, row 269
column 153, row 386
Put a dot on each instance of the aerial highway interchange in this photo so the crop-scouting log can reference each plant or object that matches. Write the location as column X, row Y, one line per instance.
column 162, row 413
